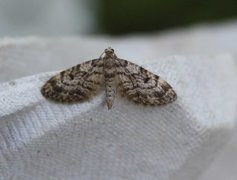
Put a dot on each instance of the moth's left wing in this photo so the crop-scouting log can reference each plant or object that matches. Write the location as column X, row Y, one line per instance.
column 141, row 85
column 75, row 84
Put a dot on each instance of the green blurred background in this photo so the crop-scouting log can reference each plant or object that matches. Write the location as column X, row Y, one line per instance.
column 80, row 17
column 132, row 16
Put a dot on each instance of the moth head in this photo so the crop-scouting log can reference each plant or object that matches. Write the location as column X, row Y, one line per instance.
column 109, row 51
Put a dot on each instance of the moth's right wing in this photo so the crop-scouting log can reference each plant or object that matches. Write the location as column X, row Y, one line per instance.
column 142, row 86
column 75, row 84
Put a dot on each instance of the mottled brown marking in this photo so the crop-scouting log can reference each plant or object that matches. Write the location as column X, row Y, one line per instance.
column 84, row 80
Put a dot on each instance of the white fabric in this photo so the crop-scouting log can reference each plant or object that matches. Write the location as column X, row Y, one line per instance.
column 41, row 140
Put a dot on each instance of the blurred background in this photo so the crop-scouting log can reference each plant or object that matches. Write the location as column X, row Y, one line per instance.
column 72, row 17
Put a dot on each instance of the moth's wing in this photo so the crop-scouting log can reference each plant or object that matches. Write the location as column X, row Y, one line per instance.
column 75, row 84
column 141, row 85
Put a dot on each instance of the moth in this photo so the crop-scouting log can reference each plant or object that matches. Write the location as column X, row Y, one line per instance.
column 83, row 81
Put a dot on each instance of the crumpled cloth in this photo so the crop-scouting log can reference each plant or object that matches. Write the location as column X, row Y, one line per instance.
column 40, row 139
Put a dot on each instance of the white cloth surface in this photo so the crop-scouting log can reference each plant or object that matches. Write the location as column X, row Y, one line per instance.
column 44, row 140
column 21, row 57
